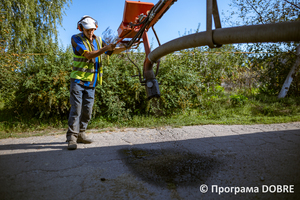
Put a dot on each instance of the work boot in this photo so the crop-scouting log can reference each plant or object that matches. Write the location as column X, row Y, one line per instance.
column 72, row 144
column 82, row 138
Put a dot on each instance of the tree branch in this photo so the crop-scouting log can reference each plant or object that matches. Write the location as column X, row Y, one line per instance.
column 261, row 19
column 292, row 4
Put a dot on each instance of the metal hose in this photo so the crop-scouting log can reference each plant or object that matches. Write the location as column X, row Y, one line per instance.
column 279, row 32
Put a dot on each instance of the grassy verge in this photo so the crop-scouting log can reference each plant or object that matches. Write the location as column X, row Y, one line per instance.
column 193, row 119
column 228, row 111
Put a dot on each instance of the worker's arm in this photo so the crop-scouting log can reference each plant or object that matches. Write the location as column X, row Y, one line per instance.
column 93, row 54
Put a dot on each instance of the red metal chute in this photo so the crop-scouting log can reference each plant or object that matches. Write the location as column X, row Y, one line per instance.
column 133, row 13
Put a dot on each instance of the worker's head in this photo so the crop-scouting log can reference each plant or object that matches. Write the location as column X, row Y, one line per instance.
column 87, row 25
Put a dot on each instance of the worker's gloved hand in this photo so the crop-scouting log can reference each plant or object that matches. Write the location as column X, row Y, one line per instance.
column 109, row 53
column 111, row 47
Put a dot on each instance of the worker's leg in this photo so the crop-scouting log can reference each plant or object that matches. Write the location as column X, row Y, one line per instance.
column 76, row 93
column 86, row 114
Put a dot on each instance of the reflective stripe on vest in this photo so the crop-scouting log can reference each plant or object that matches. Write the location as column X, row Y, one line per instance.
column 83, row 68
column 99, row 44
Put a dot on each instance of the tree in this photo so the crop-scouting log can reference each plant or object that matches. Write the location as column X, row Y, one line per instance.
column 266, row 11
column 29, row 25
column 28, row 42
column 281, row 57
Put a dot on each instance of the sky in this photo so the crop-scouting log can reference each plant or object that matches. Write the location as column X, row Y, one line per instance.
column 183, row 17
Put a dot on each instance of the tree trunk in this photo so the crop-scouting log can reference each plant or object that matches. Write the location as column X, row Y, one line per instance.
column 289, row 78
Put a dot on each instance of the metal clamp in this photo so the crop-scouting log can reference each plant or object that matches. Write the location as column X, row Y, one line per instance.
column 212, row 10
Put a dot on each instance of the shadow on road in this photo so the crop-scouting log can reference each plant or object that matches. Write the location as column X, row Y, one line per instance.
column 26, row 146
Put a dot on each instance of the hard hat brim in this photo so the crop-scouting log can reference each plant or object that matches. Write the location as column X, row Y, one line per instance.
column 89, row 26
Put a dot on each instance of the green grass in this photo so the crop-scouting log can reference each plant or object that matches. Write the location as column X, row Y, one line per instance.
column 195, row 119
column 253, row 110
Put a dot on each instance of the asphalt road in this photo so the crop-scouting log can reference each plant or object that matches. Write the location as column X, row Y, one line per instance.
column 193, row 162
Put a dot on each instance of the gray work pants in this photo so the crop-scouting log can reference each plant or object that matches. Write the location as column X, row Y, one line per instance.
column 82, row 101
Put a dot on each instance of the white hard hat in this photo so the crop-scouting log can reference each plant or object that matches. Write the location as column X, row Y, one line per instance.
column 88, row 22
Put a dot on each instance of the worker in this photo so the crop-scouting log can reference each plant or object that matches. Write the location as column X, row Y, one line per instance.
column 87, row 69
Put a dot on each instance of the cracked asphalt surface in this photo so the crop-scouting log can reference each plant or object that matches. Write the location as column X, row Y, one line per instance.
column 164, row 163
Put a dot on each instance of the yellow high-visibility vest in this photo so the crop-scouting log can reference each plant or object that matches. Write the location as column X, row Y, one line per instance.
column 83, row 68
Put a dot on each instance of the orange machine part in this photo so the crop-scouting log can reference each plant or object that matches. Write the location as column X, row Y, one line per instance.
column 132, row 10
column 161, row 13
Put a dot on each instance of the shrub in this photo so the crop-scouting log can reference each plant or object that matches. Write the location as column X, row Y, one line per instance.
column 238, row 99
column 190, row 79
column 43, row 88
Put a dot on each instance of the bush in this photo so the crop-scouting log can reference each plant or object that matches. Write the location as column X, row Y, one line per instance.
column 190, row 79
column 238, row 99
column 43, row 88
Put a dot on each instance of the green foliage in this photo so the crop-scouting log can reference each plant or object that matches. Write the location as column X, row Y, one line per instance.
column 121, row 95
column 189, row 77
column 265, row 105
column 189, row 80
column 238, row 99
column 44, row 89
column 260, row 11
column 271, row 68
column 9, row 68
column 27, row 25
column 190, row 95
column 33, row 70
column 195, row 79
column 276, row 69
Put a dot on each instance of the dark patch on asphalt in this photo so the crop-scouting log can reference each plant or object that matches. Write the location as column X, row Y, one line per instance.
column 169, row 167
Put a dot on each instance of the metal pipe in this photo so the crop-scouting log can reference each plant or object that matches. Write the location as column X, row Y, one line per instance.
column 156, row 35
column 279, row 32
